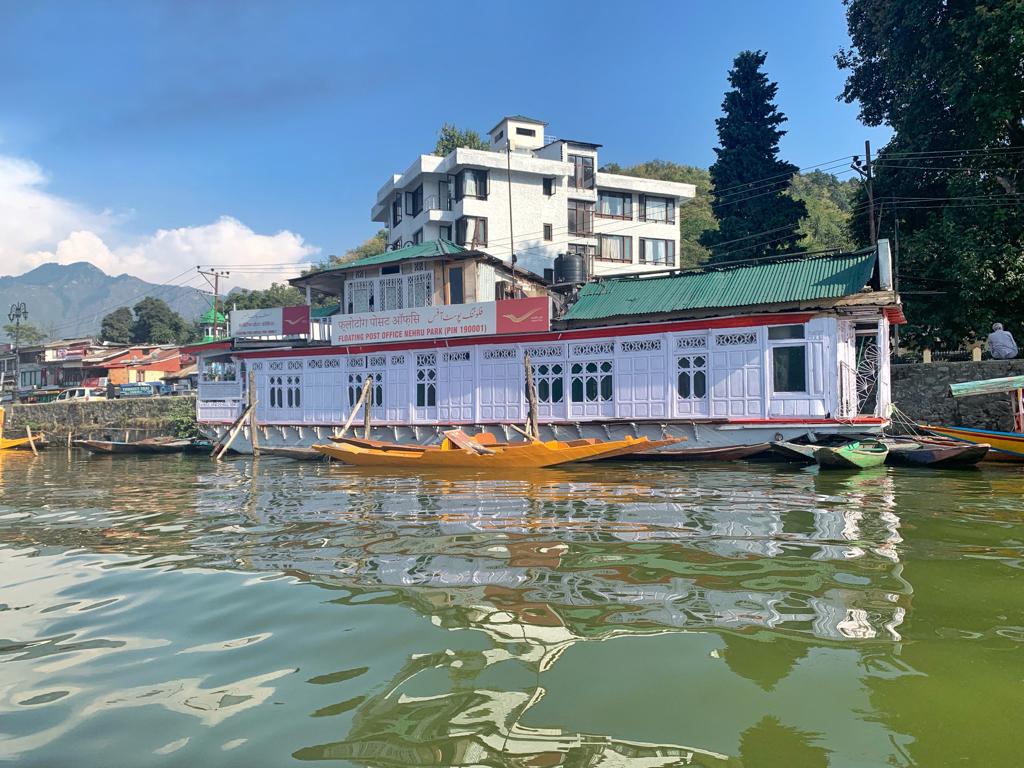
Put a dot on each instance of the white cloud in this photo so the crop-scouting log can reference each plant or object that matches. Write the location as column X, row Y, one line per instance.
column 37, row 227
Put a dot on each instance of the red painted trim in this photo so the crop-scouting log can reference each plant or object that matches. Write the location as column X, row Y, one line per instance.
column 193, row 348
column 867, row 420
column 745, row 321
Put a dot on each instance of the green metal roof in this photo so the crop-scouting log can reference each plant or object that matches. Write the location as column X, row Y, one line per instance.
column 330, row 309
column 419, row 251
column 208, row 317
column 780, row 281
column 987, row 386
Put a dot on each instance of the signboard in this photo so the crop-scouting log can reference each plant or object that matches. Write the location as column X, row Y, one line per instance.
column 275, row 321
column 487, row 318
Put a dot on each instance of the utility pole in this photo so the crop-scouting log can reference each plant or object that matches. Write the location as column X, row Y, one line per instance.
column 511, row 235
column 216, row 274
column 18, row 313
column 864, row 169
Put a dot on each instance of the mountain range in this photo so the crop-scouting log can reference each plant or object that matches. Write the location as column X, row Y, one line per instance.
column 70, row 300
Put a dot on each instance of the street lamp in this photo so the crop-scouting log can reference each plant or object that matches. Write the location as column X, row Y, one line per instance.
column 18, row 313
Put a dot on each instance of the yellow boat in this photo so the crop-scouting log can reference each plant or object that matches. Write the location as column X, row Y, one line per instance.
column 1005, row 446
column 11, row 443
column 459, row 451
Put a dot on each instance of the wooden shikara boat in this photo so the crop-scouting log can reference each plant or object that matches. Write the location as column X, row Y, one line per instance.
column 798, row 453
column 1003, row 446
column 19, row 443
column 150, row 445
column 857, row 455
column 13, row 443
column 933, row 452
column 295, row 453
column 459, row 451
column 727, row 453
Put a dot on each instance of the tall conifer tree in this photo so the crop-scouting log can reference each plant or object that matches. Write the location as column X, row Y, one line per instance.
column 756, row 217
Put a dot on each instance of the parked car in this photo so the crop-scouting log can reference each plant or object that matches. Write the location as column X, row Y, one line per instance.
column 81, row 394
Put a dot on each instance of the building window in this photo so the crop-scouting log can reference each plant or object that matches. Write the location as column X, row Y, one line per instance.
column 396, row 210
column 499, row 136
column 591, row 382
column 789, row 360
column 355, row 388
column 549, row 186
column 393, row 269
column 548, row 232
column 414, row 201
column 783, row 332
column 549, row 380
column 456, row 290
column 426, row 380
column 420, row 289
column 444, row 194
column 692, row 377
column 615, row 248
column 391, row 292
column 581, row 217
column 445, row 232
column 582, row 176
column 615, row 205
column 657, row 252
column 417, row 236
column 789, row 368
column 581, row 249
column 661, row 210
column 471, row 231
column 525, row 132
column 360, row 296
column 471, row 182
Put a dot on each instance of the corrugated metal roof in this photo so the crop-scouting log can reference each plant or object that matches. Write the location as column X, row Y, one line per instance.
column 419, row 251
column 327, row 311
column 777, row 282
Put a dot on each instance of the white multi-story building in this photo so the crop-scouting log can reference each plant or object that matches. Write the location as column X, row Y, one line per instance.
column 535, row 199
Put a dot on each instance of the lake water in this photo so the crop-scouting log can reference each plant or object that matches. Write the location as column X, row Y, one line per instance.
column 164, row 611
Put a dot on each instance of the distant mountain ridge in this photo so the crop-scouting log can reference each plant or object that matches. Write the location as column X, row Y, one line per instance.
column 70, row 300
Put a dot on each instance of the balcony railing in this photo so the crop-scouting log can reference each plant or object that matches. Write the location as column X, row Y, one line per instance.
column 438, row 203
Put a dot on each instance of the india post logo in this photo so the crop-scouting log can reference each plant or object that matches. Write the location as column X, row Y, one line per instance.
column 523, row 315
column 295, row 320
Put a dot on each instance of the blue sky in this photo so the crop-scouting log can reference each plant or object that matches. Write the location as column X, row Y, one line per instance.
column 288, row 116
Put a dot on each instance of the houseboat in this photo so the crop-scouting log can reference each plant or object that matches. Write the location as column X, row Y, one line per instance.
column 727, row 355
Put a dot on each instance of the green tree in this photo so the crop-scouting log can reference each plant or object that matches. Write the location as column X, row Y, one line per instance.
column 945, row 76
column 450, row 138
column 695, row 216
column 156, row 323
column 277, row 295
column 755, row 215
column 117, row 326
column 28, row 335
column 829, row 204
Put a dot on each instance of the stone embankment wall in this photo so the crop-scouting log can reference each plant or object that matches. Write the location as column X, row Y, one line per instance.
column 921, row 391
column 139, row 416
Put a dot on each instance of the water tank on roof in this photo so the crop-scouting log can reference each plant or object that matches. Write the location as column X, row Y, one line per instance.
column 570, row 268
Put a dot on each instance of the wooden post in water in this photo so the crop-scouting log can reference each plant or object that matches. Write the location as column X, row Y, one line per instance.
column 532, row 427
column 367, row 405
column 220, row 449
column 355, row 408
column 252, row 416
column 31, row 441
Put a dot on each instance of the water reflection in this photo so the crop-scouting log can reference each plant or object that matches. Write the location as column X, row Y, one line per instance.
column 546, row 619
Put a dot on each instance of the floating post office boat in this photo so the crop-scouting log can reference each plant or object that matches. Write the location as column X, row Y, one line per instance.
column 856, row 455
column 1004, row 446
column 727, row 356
column 460, row 451
column 149, row 445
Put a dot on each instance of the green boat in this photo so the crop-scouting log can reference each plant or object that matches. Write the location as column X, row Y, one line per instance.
column 859, row 455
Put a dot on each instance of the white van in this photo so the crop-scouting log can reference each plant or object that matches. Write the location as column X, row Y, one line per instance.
column 82, row 394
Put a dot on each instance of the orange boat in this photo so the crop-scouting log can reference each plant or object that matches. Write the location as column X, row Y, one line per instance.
column 460, row 451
